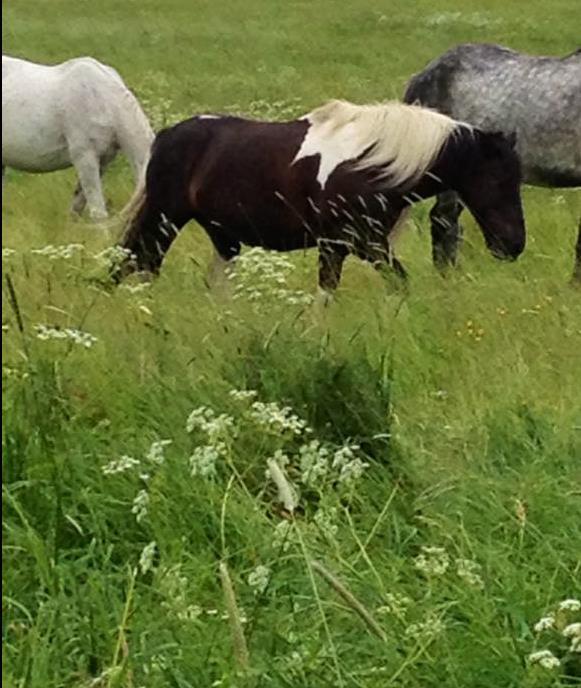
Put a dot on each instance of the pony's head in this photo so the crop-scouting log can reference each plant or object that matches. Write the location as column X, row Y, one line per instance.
column 489, row 183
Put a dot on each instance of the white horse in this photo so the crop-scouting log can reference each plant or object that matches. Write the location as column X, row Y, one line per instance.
column 78, row 113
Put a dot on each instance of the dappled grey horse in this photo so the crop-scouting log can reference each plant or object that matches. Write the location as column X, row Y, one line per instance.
column 497, row 89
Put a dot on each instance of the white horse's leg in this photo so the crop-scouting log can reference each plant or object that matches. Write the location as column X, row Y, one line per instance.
column 79, row 199
column 87, row 166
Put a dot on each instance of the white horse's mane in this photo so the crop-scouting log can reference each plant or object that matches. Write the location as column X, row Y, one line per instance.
column 401, row 141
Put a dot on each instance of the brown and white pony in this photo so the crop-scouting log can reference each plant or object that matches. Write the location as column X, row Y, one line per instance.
column 338, row 178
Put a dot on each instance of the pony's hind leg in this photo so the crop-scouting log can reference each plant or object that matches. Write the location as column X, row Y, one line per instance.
column 446, row 232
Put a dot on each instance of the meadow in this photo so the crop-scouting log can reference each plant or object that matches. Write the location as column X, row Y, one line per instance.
column 430, row 438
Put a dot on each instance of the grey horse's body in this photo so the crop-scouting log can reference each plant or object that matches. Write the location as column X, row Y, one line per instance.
column 498, row 89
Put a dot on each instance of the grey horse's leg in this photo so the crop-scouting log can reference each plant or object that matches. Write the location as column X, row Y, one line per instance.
column 446, row 232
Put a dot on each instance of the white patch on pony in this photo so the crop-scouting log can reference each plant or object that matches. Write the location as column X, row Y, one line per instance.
column 401, row 141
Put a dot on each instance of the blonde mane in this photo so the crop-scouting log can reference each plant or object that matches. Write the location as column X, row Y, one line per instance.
column 401, row 141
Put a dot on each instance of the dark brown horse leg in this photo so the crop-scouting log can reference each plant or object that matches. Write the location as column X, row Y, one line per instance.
column 446, row 232
column 331, row 260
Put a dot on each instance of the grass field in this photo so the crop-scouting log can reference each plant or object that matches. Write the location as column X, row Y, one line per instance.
column 455, row 521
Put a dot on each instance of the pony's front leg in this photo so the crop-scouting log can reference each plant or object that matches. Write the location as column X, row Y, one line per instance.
column 87, row 165
column 331, row 259
column 446, row 232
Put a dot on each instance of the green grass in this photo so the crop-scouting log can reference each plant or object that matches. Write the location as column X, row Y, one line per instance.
column 464, row 396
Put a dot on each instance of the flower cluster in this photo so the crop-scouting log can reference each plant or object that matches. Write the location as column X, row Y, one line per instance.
column 66, row 251
column 259, row 274
column 85, row 339
column 146, row 558
column 562, row 627
column 259, row 578
column 276, row 419
column 114, row 255
column 434, row 562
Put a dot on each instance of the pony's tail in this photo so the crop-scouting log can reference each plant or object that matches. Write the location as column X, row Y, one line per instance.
column 128, row 214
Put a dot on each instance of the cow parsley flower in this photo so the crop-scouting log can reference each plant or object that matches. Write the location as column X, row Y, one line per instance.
column 433, row 561
column 545, row 659
column 76, row 336
column 243, row 394
column 205, row 419
column 140, row 505
column 469, row 571
column 259, row 578
column 203, row 460
column 53, row 252
column 572, row 631
column 426, row 630
column 570, row 605
column 125, row 463
column 314, row 462
column 352, row 471
column 146, row 557
column 277, row 419
column 156, row 452
column 545, row 623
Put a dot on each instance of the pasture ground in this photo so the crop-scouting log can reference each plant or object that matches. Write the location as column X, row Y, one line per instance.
column 464, row 397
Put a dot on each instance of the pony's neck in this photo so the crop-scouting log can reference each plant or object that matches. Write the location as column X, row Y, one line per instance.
column 449, row 170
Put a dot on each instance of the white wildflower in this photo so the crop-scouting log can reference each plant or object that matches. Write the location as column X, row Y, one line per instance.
column 575, row 644
column 76, row 336
column 545, row 658
column 344, row 455
column 263, row 274
column 203, row 418
column 545, row 623
column 53, row 252
column 114, row 254
column 277, row 419
column 433, row 561
column 570, row 605
column 146, row 557
column 469, row 571
column 140, row 505
column 125, row 463
column 203, row 460
column 243, row 394
column 572, row 630
column 314, row 461
column 395, row 604
column 8, row 253
column 426, row 630
column 287, row 495
column 352, row 471
column 326, row 520
column 259, row 578
column 156, row 452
